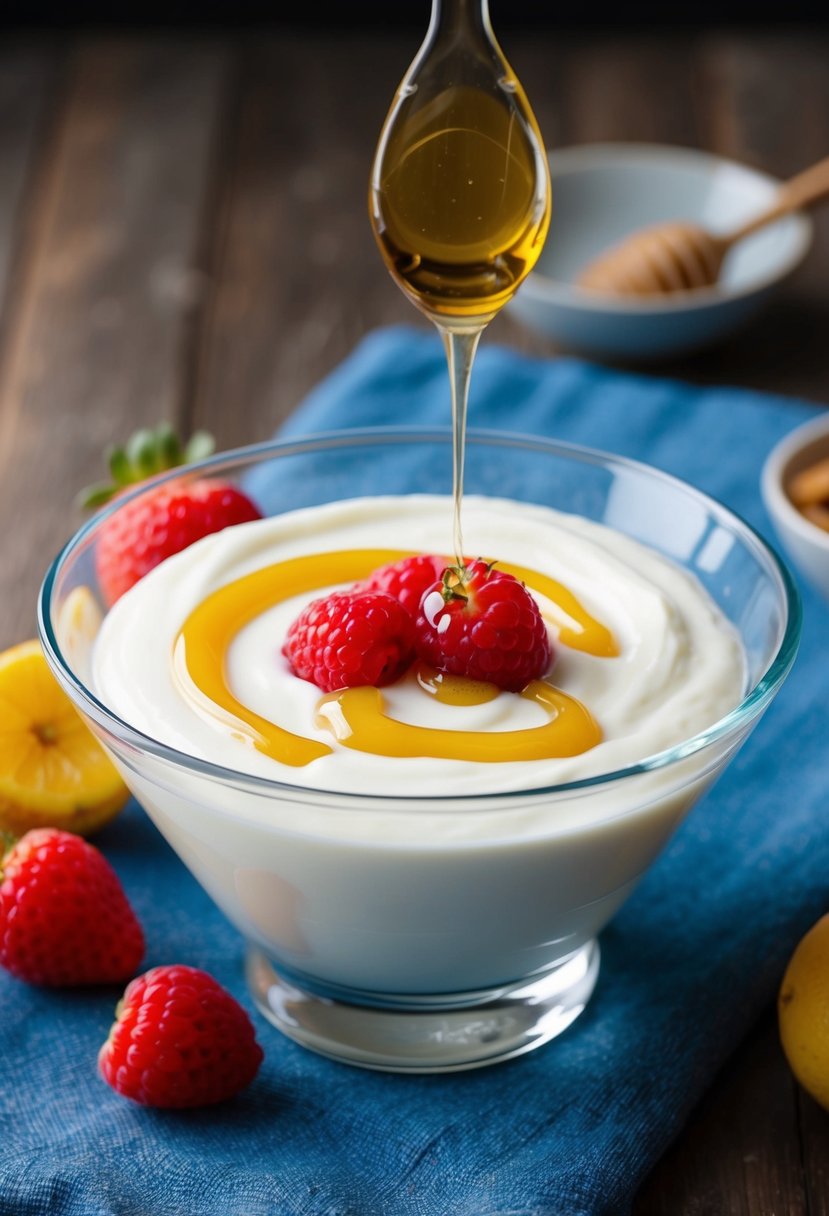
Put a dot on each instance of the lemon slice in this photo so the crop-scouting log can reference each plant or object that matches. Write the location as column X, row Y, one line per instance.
column 77, row 625
column 53, row 772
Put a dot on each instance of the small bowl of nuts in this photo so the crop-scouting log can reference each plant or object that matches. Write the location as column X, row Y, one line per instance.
column 795, row 485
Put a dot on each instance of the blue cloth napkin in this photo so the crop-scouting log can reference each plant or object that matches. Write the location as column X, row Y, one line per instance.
column 689, row 962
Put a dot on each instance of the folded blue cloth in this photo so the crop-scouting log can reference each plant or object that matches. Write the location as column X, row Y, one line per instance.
column 687, row 965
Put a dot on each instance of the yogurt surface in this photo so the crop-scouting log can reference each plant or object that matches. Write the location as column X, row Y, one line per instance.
column 680, row 665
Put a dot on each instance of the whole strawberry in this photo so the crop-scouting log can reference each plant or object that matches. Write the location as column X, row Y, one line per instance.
column 407, row 580
column 64, row 917
column 483, row 623
column 179, row 1039
column 349, row 639
column 142, row 533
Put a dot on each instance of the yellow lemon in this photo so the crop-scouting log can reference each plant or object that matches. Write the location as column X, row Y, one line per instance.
column 803, row 1012
column 53, row 772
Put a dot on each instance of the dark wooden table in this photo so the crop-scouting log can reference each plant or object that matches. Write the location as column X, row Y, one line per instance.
column 183, row 235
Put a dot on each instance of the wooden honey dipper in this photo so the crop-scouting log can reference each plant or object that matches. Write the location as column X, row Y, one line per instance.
column 680, row 256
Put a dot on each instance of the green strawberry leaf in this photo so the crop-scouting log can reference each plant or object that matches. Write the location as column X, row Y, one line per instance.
column 119, row 466
column 141, row 453
column 147, row 452
column 200, row 445
column 168, row 448
column 95, row 496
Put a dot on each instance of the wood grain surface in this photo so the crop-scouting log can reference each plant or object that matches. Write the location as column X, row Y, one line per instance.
column 183, row 235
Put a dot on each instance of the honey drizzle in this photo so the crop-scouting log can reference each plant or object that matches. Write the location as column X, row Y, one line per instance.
column 361, row 724
column 454, row 690
column 574, row 625
column 200, row 666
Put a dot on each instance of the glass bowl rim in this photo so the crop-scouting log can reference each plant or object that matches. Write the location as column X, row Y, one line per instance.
column 751, row 705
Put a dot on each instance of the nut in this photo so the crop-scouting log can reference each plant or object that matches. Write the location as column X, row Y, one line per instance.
column 809, row 492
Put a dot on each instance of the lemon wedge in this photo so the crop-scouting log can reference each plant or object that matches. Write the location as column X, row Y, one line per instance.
column 53, row 771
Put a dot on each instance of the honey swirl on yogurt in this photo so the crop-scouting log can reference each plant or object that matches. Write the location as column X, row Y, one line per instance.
column 356, row 715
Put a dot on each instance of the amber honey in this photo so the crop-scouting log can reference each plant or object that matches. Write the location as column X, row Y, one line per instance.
column 459, row 199
column 357, row 716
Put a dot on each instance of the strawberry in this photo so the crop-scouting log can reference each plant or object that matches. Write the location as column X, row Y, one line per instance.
column 179, row 1039
column 483, row 623
column 64, row 917
column 408, row 579
column 350, row 638
column 164, row 521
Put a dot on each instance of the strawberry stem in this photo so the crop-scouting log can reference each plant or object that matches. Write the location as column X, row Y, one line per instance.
column 147, row 452
column 7, row 842
column 119, row 465
column 454, row 584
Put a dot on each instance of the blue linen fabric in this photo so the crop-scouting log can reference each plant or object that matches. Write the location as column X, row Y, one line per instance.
column 688, row 963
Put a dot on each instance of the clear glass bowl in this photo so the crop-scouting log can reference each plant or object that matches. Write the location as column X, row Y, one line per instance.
column 380, row 930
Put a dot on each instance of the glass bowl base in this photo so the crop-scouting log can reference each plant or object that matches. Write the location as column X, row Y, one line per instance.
column 445, row 1033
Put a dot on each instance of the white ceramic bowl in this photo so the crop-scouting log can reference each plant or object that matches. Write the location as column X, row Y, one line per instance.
column 806, row 544
column 603, row 192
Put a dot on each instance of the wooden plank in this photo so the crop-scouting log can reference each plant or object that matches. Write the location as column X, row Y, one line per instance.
column 764, row 100
column 27, row 79
column 98, row 336
column 633, row 89
column 740, row 1154
column 297, row 277
column 814, row 1137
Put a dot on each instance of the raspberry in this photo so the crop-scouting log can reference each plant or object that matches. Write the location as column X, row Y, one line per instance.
column 483, row 623
column 408, row 579
column 64, row 917
column 350, row 638
column 179, row 1039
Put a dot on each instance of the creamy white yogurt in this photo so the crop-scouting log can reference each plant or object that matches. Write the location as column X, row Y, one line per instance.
column 680, row 666
column 425, row 896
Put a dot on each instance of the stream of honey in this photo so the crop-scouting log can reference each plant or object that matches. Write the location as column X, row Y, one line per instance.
column 459, row 197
